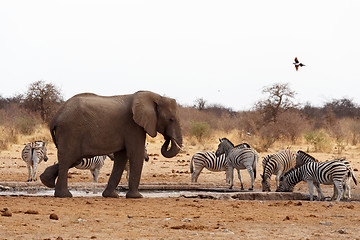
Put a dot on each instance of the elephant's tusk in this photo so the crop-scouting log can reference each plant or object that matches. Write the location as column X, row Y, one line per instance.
column 177, row 145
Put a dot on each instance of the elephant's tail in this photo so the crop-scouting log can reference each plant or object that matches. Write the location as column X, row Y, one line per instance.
column 52, row 131
column 191, row 165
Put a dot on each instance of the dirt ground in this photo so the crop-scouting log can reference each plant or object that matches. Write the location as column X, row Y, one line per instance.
column 173, row 218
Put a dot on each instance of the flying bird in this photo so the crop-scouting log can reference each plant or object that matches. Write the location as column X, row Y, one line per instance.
column 297, row 64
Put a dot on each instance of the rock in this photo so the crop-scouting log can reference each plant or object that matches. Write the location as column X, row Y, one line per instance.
column 54, row 216
column 329, row 223
column 6, row 213
column 31, row 212
column 286, row 218
column 342, row 231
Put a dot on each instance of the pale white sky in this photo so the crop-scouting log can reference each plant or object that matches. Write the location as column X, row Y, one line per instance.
column 222, row 51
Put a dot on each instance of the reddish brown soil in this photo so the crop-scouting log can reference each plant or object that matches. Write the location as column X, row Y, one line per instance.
column 175, row 218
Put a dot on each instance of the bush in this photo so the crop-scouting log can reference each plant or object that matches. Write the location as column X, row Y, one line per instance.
column 318, row 140
column 199, row 130
column 26, row 125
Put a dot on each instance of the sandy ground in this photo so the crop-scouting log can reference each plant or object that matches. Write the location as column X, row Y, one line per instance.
column 173, row 218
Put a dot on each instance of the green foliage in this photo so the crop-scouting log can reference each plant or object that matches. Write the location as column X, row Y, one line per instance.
column 26, row 125
column 199, row 130
column 318, row 140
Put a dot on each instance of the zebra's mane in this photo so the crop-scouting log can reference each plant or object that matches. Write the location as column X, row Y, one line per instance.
column 308, row 155
column 289, row 172
column 228, row 141
column 243, row 145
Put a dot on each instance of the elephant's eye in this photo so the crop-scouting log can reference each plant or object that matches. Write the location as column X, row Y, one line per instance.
column 172, row 119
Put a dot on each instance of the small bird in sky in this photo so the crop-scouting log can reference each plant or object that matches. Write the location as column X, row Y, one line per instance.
column 297, row 64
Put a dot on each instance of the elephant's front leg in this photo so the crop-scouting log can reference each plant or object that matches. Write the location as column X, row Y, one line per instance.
column 136, row 161
column 120, row 160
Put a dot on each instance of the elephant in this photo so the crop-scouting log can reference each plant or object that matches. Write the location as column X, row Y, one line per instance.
column 89, row 125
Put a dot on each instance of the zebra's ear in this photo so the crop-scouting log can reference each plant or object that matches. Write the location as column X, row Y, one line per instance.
column 144, row 111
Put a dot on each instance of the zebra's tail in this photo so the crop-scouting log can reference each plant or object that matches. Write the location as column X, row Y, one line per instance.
column 191, row 165
column 353, row 177
column 256, row 159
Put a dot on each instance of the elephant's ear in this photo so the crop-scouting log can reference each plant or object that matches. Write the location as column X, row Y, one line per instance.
column 144, row 111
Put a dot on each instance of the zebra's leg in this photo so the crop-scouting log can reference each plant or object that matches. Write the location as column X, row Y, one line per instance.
column 335, row 193
column 196, row 173
column 95, row 173
column 227, row 173
column 231, row 170
column 127, row 169
column 321, row 196
column 338, row 185
column 35, row 165
column 311, row 189
column 251, row 173
column 277, row 178
column 29, row 172
column 346, row 188
column 118, row 168
column 239, row 176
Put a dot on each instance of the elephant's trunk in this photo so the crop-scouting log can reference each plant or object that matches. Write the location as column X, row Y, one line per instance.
column 174, row 149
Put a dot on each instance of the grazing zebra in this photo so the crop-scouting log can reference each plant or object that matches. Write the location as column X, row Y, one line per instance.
column 33, row 153
column 316, row 173
column 277, row 164
column 303, row 158
column 239, row 158
column 94, row 164
column 209, row 161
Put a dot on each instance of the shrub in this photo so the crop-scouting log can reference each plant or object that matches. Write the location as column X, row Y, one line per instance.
column 199, row 130
column 318, row 140
column 26, row 125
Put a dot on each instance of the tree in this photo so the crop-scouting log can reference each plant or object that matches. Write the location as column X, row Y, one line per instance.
column 200, row 103
column 280, row 98
column 43, row 98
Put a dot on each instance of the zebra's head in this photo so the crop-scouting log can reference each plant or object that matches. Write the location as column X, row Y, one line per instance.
column 265, row 183
column 284, row 185
column 223, row 146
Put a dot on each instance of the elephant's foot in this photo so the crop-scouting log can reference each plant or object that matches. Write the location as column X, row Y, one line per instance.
column 133, row 194
column 110, row 194
column 63, row 193
column 49, row 176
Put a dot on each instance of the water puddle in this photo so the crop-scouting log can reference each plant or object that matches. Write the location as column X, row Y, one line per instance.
column 80, row 193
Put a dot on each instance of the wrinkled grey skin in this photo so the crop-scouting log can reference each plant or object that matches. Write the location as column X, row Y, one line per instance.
column 88, row 125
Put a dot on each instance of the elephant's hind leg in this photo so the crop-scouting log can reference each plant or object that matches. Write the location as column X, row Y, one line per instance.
column 49, row 176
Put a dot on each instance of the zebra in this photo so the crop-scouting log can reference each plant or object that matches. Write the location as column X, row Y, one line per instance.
column 316, row 173
column 210, row 162
column 277, row 164
column 303, row 157
column 239, row 158
column 94, row 164
column 33, row 153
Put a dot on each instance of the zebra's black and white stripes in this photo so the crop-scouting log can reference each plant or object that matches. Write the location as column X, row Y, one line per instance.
column 316, row 173
column 94, row 164
column 303, row 158
column 278, row 164
column 239, row 158
column 33, row 153
column 212, row 163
